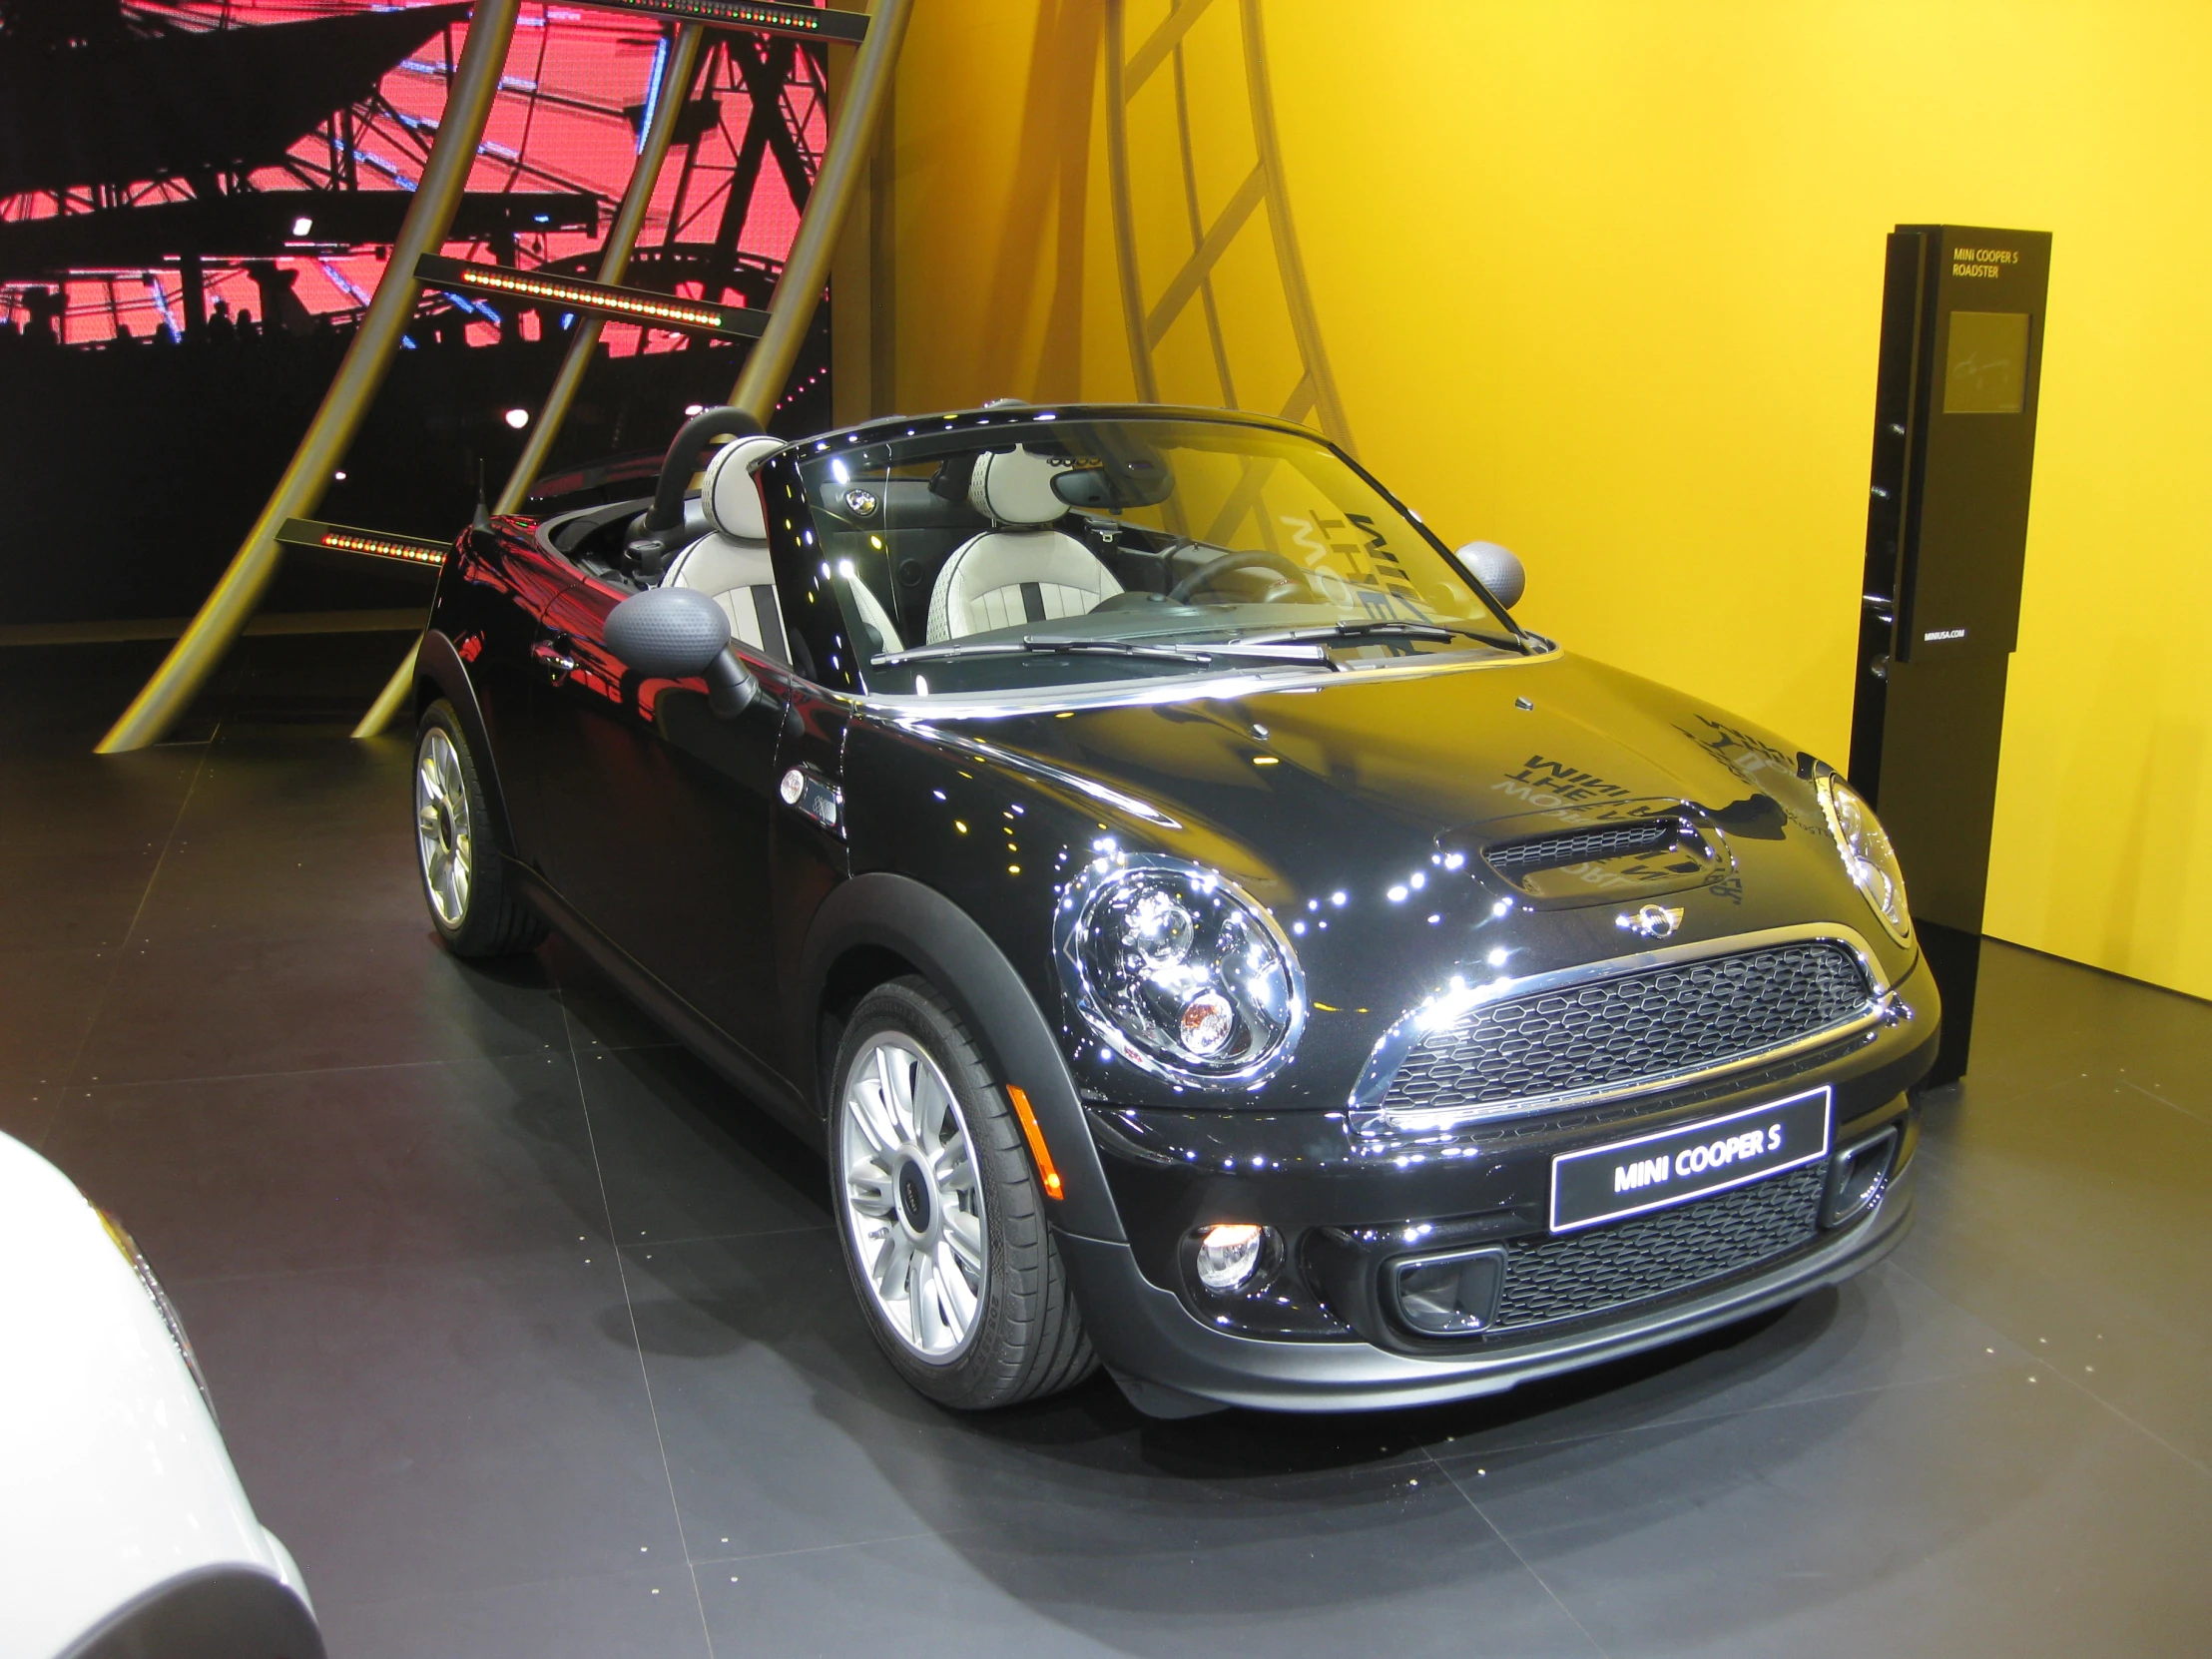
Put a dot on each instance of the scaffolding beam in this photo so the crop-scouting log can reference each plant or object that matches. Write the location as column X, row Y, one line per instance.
column 195, row 657
column 844, row 168
column 669, row 99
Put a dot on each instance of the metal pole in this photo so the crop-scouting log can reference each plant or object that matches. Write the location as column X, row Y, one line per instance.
column 843, row 166
column 614, row 262
column 429, row 216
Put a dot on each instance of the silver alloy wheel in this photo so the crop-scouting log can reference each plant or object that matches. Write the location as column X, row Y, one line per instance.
column 914, row 1197
column 442, row 837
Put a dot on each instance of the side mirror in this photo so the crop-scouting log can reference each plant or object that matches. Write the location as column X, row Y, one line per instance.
column 677, row 634
column 1496, row 568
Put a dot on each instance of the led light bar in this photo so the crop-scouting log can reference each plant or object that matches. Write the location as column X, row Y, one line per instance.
column 760, row 16
column 341, row 538
column 573, row 293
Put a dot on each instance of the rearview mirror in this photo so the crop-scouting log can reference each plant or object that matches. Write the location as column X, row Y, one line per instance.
column 1496, row 568
column 679, row 634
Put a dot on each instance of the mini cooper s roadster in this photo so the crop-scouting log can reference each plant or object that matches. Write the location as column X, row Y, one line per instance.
column 1207, row 937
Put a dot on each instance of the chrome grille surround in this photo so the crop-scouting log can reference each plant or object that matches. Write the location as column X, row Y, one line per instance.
column 1376, row 1106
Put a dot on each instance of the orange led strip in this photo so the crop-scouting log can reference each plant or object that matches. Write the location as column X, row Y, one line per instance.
column 1037, row 1149
column 832, row 23
column 574, row 294
column 339, row 538
column 536, row 289
column 383, row 549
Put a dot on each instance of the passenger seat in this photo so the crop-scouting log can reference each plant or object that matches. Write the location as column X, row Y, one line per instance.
column 731, row 565
column 1023, row 570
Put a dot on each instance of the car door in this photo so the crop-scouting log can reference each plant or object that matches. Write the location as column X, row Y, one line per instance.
column 657, row 813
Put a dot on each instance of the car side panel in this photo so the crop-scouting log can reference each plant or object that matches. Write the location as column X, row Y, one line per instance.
column 900, row 914
column 488, row 602
column 657, row 818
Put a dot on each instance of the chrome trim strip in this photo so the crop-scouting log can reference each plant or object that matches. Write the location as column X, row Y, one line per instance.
column 1460, row 999
column 1126, row 694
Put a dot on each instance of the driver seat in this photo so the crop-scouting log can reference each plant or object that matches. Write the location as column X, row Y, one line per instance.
column 1021, row 570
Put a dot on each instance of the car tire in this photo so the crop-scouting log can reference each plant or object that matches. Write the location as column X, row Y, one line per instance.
column 940, row 1212
column 472, row 905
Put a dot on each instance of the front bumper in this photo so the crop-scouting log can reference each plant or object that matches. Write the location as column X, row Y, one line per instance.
column 1323, row 1337
column 1147, row 1332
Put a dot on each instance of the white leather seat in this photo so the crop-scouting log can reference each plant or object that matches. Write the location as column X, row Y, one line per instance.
column 731, row 566
column 1022, row 570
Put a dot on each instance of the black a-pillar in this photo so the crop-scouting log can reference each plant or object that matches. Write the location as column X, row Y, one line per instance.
column 1947, row 537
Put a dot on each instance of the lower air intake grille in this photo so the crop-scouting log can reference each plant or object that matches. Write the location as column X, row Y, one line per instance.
column 1582, row 846
column 1655, row 1255
column 1631, row 1028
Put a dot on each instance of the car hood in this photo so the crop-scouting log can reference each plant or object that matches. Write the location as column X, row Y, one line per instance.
column 1356, row 811
column 1318, row 780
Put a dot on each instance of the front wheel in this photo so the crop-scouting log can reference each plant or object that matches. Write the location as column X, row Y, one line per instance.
column 942, row 1220
column 463, row 882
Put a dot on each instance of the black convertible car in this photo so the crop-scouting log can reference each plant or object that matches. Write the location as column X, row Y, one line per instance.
column 1206, row 934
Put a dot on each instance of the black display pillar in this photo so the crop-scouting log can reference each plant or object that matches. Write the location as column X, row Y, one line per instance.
column 1947, row 537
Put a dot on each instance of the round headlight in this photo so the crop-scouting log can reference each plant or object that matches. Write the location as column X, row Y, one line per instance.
column 1180, row 972
column 1868, row 858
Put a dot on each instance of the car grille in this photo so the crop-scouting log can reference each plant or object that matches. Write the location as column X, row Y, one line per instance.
column 1634, row 1027
column 1655, row 1255
column 1581, row 847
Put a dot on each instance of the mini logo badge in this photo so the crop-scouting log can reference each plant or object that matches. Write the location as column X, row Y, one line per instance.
column 1653, row 922
column 861, row 502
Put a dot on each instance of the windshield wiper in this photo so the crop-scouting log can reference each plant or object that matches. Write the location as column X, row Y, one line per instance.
column 1282, row 651
column 1395, row 627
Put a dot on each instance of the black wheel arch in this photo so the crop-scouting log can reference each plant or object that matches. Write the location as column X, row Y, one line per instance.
column 875, row 927
column 439, row 672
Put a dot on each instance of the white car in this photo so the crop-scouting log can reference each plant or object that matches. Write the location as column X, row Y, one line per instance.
column 123, row 1530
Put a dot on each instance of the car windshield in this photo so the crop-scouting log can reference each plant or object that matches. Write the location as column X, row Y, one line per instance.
column 1056, row 551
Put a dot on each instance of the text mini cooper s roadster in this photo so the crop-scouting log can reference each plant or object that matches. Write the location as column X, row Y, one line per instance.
column 1208, row 937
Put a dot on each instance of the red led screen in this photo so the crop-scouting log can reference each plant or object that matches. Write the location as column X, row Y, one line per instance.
column 576, row 80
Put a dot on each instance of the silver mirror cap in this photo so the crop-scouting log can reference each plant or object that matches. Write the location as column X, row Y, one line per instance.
column 1498, row 568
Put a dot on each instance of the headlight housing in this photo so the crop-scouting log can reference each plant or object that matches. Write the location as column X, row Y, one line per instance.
column 1179, row 972
column 1869, row 859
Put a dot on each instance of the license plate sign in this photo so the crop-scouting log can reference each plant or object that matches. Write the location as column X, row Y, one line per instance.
column 1654, row 1172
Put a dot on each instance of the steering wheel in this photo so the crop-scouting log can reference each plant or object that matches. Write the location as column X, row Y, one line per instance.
column 1251, row 559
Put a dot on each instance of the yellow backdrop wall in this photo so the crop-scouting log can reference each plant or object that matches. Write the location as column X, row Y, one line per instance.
column 1600, row 279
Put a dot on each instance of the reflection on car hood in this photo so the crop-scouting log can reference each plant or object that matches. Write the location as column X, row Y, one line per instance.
column 1365, row 761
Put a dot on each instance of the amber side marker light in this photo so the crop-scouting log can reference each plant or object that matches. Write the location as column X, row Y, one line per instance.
column 1037, row 1149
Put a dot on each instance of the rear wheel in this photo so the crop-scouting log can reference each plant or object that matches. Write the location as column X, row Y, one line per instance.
column 942, row 1220
column 463, row 881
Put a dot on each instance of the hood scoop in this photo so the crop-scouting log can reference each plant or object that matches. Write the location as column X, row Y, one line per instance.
column 1594, row 856
column 1515, row 860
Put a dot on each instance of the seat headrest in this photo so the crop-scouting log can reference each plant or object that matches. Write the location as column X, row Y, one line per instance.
column 730, row 499
column 1016, row 490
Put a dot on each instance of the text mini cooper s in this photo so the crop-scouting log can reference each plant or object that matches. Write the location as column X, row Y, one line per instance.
column 1206, row 934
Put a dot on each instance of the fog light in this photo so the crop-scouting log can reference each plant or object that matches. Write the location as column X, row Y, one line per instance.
column 1449, row 1296
column 1229, row 1254
column 1857, row 1179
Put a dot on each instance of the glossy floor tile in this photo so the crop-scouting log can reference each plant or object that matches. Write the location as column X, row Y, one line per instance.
column 531, row 1339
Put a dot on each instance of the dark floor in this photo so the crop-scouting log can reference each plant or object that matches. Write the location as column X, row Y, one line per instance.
column 531, row 1340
